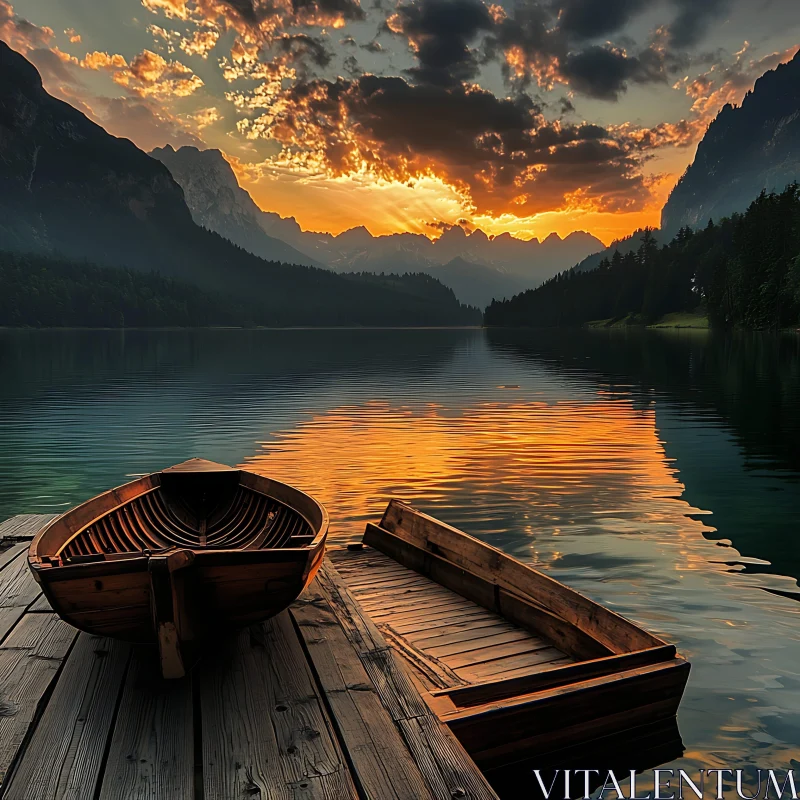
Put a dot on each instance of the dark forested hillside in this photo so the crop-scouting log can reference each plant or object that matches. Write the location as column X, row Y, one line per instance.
column 745, row 150
column 46, row 291
column 41, row 291
column 71, row 191
column 744, row 271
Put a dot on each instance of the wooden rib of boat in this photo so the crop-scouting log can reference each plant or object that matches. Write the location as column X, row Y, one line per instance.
column 180, row 554
column 516, row 663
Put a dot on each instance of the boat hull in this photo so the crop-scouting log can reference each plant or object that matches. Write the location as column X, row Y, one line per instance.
column 549, row 721
column 225, row 589
column 179, row 556
column 517, row 664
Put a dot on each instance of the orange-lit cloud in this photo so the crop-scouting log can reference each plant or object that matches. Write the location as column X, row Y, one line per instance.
column 416, row 137
column 500, row 154
column 721, row 85
column 147, row 74
column 20, row 34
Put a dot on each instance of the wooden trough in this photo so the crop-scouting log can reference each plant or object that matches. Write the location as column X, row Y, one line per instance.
column 514, row 662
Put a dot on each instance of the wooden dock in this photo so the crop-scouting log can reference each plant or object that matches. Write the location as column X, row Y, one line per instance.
column 311, row 704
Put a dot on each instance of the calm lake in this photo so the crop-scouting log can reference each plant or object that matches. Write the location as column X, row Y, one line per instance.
column 656, row 471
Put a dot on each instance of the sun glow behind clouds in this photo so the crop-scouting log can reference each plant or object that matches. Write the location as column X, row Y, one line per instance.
column 322, row 203
column 381, row 133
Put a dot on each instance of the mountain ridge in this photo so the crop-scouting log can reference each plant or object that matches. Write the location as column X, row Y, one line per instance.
column 497, row 265
column 217, row 202
column 746, row 149
column 68, row 189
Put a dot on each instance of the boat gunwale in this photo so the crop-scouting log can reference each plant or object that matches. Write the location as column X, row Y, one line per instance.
column 500, row 557
column 122, row 494
column 466, row 698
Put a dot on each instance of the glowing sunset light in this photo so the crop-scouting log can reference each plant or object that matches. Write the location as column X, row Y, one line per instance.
column 528, row 118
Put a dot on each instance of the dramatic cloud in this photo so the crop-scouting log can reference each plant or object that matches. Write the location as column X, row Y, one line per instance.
column 20, row 34
column 440, row 32
column 200, row 43
column 501, row 154
column 148, row 74
column 588, row 19
column 263, row 19
column 452, row 39
column 723, row 84
column 604, row 72
column 694, row 19
column 300, row 104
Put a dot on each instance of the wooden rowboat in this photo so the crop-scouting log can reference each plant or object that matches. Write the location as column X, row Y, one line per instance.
column 180, row 554
column 516, row 663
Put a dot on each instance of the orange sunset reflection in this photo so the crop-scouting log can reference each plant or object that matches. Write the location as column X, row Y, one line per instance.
column 495, row 469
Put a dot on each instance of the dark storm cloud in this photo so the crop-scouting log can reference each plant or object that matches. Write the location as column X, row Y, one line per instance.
column 694, row 20
column 604, row 72
column 588, row 19
column 254, row 12
column 347, row 9
column 501, row 151
column 441, row 32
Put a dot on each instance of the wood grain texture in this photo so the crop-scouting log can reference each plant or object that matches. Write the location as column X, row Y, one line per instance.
column 18, row 590
column 64, row 758
column 503, row 689
column 450, row 773
column 10, row 551
column 555, row 718
column 435, row 671
column 152, row 750
column 24, row 526
column 30, row 658
column 470, row 643
column 609, row 629
column 383, row 765
column 40, row 605
column 265, row 732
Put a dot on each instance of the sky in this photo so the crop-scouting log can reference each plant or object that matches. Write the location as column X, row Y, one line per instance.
column 526, row 116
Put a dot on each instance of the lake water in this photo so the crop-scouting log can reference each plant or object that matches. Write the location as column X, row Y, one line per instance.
column 657, row 472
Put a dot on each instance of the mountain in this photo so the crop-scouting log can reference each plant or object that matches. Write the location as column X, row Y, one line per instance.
column 477, row 284
column 506, row 263
column 745, row 150
column 500, row 264
column 219, row 204
column 70, row 189
column 62, row 176
column 742, row 272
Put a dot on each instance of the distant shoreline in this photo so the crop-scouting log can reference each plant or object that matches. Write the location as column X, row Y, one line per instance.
column 254, row 328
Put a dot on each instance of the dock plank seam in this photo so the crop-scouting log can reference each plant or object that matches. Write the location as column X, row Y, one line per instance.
column 450, row 773
column 10, row 759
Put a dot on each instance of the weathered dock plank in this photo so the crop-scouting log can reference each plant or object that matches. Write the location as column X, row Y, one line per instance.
column 64, row 758
column 17, row 591
column 24, row 526
column 265, row 732
column 152, row 746
column 10, row 550
column 311, row 705
column 383, row 765
column 445, row 766
column 30, row 658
